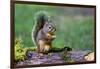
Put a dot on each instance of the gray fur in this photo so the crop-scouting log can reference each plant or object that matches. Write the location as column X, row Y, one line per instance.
column 42, row 26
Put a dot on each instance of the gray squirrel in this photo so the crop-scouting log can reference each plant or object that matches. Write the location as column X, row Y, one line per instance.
column 43, row 32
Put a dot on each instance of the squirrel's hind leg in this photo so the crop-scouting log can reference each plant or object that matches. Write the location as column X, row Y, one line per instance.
column 40, row 48
column 41, row 45
column 43, row 48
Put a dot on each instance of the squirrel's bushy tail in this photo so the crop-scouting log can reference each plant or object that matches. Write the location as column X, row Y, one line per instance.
column 40, row 18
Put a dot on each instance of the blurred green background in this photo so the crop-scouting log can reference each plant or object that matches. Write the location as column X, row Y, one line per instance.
column 75, row 26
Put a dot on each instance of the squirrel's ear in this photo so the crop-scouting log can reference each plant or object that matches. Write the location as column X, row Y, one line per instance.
column 46, row 23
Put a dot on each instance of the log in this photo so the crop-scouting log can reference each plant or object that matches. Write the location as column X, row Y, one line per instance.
column 55, row 58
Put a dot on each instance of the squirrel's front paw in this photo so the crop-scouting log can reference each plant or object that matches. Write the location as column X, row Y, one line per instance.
column 51, row 36
column 54, row 36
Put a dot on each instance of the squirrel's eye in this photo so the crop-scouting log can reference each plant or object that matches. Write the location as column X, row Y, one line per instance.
column 49, row 27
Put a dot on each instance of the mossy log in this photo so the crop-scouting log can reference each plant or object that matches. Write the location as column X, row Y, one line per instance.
column 56, row 58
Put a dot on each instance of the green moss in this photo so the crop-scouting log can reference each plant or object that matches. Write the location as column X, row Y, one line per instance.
column 20, row 51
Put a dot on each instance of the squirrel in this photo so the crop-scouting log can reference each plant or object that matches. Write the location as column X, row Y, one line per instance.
column 43, row 32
